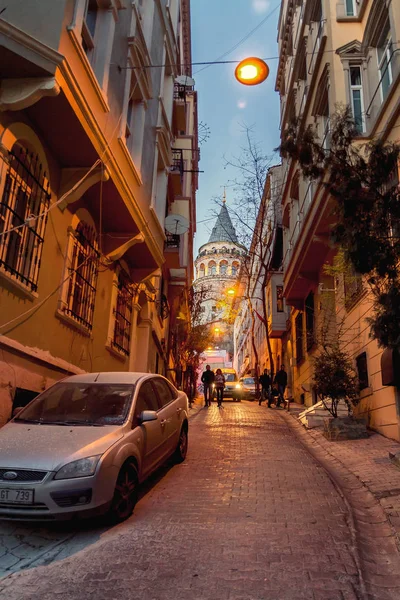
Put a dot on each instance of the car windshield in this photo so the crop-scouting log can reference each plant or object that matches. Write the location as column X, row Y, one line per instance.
column 80, row 404
column 230, row 376
column 249, row 381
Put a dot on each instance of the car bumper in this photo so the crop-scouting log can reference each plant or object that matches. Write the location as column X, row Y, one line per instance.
column 57, row 500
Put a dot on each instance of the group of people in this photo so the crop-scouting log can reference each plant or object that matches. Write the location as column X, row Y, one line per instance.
column 270, row 391
column 273, row 391
column 210, row 380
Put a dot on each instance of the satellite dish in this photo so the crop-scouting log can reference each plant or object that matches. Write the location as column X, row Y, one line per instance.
column 184, row 80
column 176, row 224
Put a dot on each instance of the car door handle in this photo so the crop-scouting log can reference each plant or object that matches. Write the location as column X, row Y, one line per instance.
column 178, row 410
column 163, row 422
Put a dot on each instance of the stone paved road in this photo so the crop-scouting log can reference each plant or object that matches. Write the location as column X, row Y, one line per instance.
column 248, row 516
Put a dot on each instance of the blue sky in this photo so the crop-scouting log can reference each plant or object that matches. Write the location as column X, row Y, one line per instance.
column 224, row 104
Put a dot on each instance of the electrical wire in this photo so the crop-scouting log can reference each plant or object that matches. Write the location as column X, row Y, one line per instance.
column 243, row 39
column 37, row 306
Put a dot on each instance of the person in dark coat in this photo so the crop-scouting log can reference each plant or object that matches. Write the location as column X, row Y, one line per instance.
column 281, row 381
column 207, row 379
column 265, row 381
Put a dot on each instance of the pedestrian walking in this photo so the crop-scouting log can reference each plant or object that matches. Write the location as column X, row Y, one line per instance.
column 265, row 381
column 219, row 386
column 207, row 379
column 281, row 381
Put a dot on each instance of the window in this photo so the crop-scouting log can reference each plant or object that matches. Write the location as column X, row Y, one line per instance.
column 146, row 400
column 279, row 298
column 362, row 370
column 83, row 269
column 212, row 268
column 123, row 316
column 356, row 95
column 235, row 269
column 223, row 268
column 164, row 391
column 299, row 337
column 309, row 310
column 26, row 192
column 350, row 8
column 384, row 55
column 89, row 26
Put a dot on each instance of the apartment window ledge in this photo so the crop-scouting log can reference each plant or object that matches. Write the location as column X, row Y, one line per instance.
column 115, row 352
column 72, row 322
column 129, row 158
column 88, row 68
column 18, row 285
column 353, row 301
column 347, row 19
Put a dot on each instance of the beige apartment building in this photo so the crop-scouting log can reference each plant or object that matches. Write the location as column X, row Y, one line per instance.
column 334, row 52
column 265, row 255
column 98, row 145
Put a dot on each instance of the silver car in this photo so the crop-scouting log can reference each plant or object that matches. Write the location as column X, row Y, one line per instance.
column 82, row 447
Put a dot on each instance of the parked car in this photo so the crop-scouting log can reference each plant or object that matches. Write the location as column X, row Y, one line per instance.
column 231, row 389
column 82, row 447
column 247, row 388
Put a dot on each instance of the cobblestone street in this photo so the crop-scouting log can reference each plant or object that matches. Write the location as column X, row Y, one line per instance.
column 250, row 515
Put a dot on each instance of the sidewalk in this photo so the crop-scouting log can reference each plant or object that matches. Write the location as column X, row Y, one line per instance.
column 368, row 460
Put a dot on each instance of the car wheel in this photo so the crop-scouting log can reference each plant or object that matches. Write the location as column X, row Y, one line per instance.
column 182, row 447
column 125, row 493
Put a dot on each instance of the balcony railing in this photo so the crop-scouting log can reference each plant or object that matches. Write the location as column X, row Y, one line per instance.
column 173, row 240
column 180, row 91
column 177, row 161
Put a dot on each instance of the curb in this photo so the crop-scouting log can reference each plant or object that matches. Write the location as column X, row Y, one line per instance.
column 375, row 548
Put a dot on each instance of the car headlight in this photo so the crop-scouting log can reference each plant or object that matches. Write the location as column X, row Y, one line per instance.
column 78, row 468
column 238, row 386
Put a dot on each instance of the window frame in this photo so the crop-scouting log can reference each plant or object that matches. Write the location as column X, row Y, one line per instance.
column 386, row 56
column 123, row 308
column 357, row 88
column 90, row 268
column 354, row 8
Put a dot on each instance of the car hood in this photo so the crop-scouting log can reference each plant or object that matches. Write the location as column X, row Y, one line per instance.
column 48, row 447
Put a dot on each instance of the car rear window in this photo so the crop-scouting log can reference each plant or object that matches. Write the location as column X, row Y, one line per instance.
column 230, row 376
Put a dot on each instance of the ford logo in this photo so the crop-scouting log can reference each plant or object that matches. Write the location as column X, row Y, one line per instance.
column 10, row 475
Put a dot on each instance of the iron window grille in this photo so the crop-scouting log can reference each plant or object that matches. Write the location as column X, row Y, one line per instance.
column 123, row 316
column 26, row 192
column 164, row 307
column 83, row 276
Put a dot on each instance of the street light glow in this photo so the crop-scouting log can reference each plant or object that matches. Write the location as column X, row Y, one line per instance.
column 251, row 71
column 230, row 292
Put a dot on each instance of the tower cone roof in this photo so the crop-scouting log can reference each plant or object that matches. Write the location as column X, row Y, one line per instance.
column 223, row 230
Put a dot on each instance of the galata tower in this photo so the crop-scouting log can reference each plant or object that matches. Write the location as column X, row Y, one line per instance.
column 217, row 268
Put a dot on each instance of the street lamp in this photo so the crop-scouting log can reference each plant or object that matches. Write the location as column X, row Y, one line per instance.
column 231, row 292
column 252, row 71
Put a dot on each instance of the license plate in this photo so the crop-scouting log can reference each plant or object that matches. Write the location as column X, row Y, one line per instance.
column 11, row 496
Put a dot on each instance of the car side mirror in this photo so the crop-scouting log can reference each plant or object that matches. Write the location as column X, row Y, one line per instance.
column 17, row 410
column 148, row 415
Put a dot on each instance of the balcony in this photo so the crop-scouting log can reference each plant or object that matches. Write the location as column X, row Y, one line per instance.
column 179, row 108
column 176, row 173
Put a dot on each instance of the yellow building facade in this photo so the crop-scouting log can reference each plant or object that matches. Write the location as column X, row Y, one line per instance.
column 97, row 148
column 333, row 53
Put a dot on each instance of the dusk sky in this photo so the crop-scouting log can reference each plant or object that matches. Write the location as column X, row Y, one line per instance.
column 224, row 104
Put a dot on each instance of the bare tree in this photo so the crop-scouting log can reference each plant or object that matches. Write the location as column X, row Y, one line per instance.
column 255, row 217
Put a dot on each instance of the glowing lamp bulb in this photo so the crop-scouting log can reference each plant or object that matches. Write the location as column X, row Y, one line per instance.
column 251, row 71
